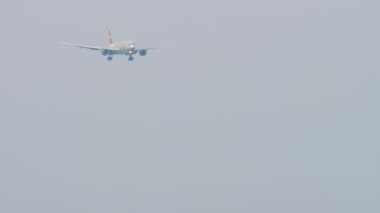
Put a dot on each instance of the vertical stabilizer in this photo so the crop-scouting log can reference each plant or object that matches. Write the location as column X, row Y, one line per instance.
column 110, row 37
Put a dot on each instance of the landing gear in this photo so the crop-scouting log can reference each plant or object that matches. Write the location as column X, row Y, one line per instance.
column 109, row 58
column 130, row 58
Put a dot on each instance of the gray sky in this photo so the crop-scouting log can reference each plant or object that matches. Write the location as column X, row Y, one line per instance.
column 261, row 106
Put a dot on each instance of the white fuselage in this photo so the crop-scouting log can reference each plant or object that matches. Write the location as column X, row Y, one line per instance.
column 123, row 48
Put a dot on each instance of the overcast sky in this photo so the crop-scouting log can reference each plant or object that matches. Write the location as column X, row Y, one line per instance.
column 261, row 106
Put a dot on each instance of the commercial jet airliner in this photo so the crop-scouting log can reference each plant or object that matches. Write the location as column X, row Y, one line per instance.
column 117, row 48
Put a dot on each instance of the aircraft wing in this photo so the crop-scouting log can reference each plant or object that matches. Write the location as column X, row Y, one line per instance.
column 156, row 47
column 84, row 46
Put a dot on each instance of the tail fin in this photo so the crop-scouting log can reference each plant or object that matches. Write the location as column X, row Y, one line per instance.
column 110, row 37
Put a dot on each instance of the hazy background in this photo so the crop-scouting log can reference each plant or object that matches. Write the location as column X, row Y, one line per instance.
column 261, row 106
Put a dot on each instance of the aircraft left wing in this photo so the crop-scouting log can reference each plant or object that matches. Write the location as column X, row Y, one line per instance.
column 84, row 46
column 156, row 47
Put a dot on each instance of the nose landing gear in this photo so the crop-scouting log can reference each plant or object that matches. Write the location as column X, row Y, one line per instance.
column 109, row 58
column 130, row 58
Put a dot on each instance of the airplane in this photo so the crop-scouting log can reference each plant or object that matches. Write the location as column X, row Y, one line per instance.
column 117, row 48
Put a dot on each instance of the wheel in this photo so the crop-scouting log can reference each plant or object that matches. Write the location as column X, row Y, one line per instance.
column 109, row 58
column 130, row 59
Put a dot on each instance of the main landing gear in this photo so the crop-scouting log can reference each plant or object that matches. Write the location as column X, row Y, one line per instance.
column 109, row 58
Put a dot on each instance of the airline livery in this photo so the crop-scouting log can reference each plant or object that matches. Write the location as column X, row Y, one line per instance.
column 127, row 48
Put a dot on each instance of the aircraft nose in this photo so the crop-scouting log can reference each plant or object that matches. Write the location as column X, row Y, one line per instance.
column 132, row 45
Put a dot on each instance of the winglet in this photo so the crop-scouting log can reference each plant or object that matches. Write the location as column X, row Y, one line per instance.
column 110, row 37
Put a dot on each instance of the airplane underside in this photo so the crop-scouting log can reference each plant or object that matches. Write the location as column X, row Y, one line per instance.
column 129, row 53
column 110, row 57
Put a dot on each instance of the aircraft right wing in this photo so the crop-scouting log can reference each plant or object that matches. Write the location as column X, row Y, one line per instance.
column 84, row 46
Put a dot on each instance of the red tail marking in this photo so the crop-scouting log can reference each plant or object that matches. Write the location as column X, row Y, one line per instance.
column 110, row 37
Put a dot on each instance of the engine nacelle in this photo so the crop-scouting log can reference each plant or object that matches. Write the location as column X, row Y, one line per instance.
column 105, row 52
column 143, row 52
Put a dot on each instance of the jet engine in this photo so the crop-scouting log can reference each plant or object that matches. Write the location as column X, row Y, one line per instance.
column 142, row 52
column 105, row 52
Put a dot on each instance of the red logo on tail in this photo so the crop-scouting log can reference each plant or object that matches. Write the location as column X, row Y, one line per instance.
column 110, row 37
